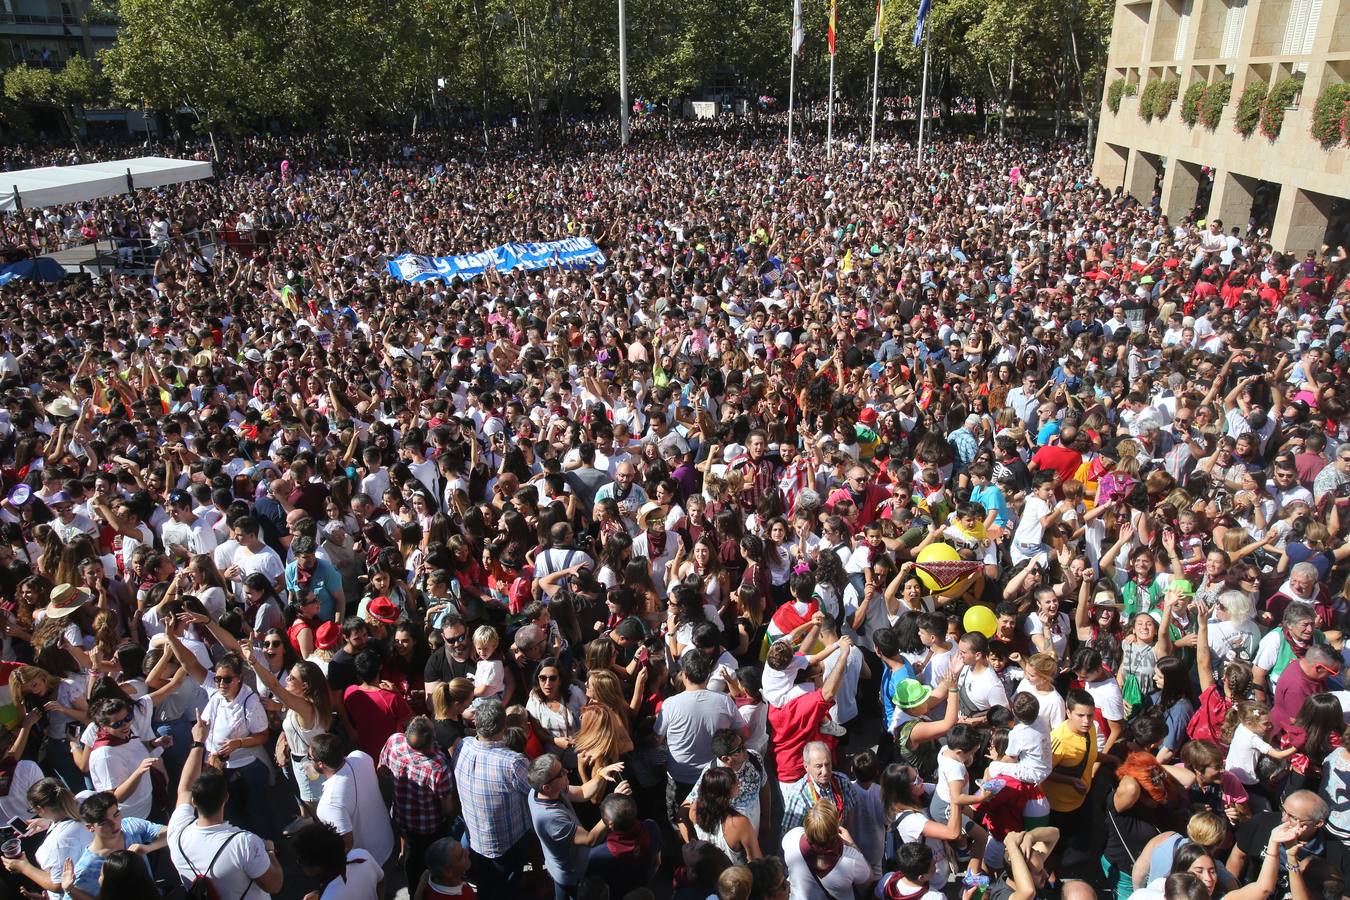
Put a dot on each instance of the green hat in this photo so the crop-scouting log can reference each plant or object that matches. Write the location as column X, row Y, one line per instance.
column 910, row 692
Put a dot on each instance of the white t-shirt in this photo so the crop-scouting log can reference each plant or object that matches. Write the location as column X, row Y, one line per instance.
column 845, row 707
column 265, row 561
column 1052, row 705
column 110, row 766
column 851, row 869
column 491, row 676
column 1243, row 753
column 909, row 827
column 1228, row 640
column 1028, row 538
column 14, row 805
column 1030, row 746
column 234, row 872
column 1267, row 652
column 776, row 685
column 65, row 840
column 1059, row 638
column 352, row 804
column 949, row 769
column 1110, row 704
column 197, row 537
column 360, row 882
column 983, row 689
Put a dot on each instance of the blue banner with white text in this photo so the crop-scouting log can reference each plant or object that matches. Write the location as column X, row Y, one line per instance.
column 571, row 253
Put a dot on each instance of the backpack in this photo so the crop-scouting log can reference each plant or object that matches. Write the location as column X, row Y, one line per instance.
column 201, row 886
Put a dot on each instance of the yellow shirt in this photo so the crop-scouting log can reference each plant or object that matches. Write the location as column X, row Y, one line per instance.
column 1068, row 749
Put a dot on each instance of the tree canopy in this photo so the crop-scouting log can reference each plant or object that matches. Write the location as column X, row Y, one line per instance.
column 343, row 63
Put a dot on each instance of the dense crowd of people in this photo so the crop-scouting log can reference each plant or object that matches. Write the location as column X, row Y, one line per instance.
column 883, row 530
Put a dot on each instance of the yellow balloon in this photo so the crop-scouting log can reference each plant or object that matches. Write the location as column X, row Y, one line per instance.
column 936, row 553
column 981, row 619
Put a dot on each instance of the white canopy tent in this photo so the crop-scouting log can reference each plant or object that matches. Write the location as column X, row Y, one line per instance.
column 55, row 185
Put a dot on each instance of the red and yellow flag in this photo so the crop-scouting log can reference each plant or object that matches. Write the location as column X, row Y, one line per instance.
column 832, row 2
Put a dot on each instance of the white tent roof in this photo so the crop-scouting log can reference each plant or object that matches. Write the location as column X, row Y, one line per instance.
column 55, row 185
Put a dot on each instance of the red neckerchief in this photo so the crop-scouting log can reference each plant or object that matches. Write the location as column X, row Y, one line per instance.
column 106, row 738
column 822, row 862
column 634, row 841
column 656, row 543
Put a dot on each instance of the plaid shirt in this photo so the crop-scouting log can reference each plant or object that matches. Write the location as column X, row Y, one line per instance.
column 422, row 781
column 798, row 800
column 493, row 795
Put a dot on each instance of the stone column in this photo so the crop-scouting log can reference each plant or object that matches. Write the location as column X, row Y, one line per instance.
column 1110, row 163
column 1143, row 175
column 1181, row 184
column 1300, row 220
column 1231, row 200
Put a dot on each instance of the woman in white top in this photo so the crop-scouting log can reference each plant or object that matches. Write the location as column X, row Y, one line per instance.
column 309, row 712
column 902, row 789
column 204, row 581
column 614, row 556
column 236, row 733
column 66, row 837
column 555, row 705
column 715, row 818
column 1047, row 626
column 1039, row 673
column 821, row 866
column 702, row 563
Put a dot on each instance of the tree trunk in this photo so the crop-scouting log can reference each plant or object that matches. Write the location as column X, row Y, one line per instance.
column 72, row 125
column 1007, row 97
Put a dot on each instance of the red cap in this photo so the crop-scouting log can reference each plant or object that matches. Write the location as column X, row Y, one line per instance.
column 868, row 416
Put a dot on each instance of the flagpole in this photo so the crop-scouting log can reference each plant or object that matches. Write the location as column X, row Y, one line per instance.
column 792, row 80
column 829, row 122
column 923, row 92
column 623, row 76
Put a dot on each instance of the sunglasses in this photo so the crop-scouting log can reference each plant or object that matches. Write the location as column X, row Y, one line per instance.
column 548, row 678
column 120, row 723
column 224, row 679
column 272, row 645
column 457, row 639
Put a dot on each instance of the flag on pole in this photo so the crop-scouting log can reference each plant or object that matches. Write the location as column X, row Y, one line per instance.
column 832, row 3
column 922, row 21
column 798, row 34
column 876, row 34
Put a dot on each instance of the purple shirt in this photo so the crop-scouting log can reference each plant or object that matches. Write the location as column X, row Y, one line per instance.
column 686, row 476
column 1292, row 689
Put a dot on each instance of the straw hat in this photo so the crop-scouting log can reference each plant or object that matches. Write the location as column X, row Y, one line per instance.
column 65, row 599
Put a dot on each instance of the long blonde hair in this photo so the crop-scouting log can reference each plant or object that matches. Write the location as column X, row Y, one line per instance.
column 603, row 737
column 604, row 684
column 21, row 678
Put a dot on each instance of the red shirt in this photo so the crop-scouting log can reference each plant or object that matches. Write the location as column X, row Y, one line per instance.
column 1063, row 461
column 794, row 725
column 375, row 715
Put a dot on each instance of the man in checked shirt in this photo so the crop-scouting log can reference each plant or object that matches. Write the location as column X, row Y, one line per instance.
column 424, row 794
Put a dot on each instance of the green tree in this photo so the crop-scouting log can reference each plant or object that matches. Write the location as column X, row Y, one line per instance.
column 221, row 59
column 75, row 86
